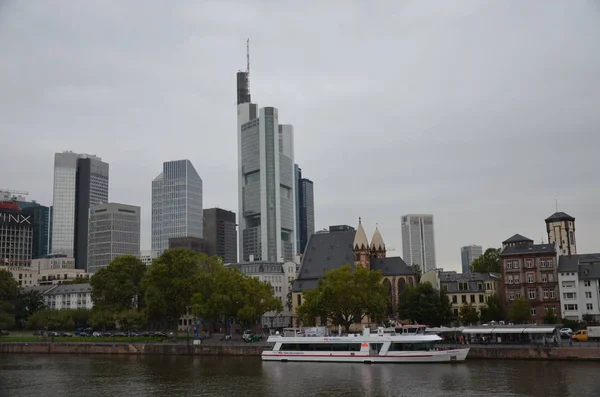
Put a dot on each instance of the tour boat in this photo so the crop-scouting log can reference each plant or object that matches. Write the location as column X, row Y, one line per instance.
column 408, row 344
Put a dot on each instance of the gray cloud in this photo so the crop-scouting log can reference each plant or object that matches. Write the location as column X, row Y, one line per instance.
column 481, row 113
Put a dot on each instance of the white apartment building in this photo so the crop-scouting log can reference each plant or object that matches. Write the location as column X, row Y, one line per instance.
column 147, row 256
column 66, row 296
column 579, row 286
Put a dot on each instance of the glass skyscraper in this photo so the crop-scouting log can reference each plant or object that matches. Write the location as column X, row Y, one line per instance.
column 176, row 204
column 305, row 209
column 418, row 243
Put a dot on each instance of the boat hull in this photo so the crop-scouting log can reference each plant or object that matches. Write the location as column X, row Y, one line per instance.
column 436, row 356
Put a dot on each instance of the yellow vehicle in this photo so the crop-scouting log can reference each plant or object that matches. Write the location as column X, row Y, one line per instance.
column 583, row 335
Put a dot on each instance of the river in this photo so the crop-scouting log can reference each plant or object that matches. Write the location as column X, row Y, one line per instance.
column 99, row 375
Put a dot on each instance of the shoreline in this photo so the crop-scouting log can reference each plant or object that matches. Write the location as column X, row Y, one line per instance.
column 254, row 350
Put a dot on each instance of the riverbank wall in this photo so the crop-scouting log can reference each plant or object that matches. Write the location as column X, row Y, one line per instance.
column 488, row 353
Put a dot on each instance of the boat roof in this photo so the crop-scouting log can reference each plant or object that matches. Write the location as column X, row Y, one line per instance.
column 407, row 338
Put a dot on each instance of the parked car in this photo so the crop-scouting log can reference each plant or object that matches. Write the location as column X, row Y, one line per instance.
column 38, row 333
column 565, row 333
column 249, row 336
column 4, row 332
column 65, row 335
column 159, row 334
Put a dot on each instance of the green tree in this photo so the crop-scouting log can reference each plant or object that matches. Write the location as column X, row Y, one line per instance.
column 9, row 292
column 493, row 311
column 26, row 304
column 51, row 319
column 468, row 315
column 344, row 296
column 422, row 304
column 311, row 308
column 519, row 311
column 172, row 280
column 7, row 321
column 102, row 319
column 131, row 320
column 550, row 317
column 417, row 269
column 118, row 286
column 78, row 280
column 488, row 262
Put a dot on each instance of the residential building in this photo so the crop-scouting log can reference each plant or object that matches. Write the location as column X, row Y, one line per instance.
column 343, row 245
column 191, row 243
column 280, row 275
column 220, row 234
column 147, row 256
column 418, row 242
column 114, row 231
column 176, row 204
column 16, row 236
column 529, row 271
column 80, row 182
column 468, row 254
column 305, row 210
column 579, row 286
column 266, row 188
column 66, row 296
column 561, row 229
column 54, row 269
column 464, row 288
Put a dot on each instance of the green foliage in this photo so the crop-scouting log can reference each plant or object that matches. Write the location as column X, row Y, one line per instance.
column 26, row 304
column 102, row 319
column 493, row 311
column 78, row 280
column 488, row 262
column 417, row 269
column 589, row 319
column 468, row 314
column 550, row 317
column 52, row 320
column 226, row 293
column 573, row 324
column 7, row 321
column 118, row 286
column 9, row 292
column 344, row 296
column 131, row 320
column 519, row 311
column 422, row 304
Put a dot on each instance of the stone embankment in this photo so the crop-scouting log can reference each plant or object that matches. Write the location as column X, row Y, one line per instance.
column 505, row 353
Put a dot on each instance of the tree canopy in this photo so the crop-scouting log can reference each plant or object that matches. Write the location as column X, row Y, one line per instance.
column 488, row 262
column 468, row 314
column 422, row 304
column 345, row 296
column 118, row 286
column 493, row 311
column 9, row 299
column 519, row 311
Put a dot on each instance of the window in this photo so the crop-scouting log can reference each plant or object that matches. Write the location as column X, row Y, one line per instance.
column 530, row 278
column 544, row 278
column 552, row 293
column 586, row 283
column 454, row 299
column 472, row 298
column 550, row 309
column 511, row 297
column 533, row 312
column 570, row 295
column 463, row 286
column 589, row 306
column 529, row 263
column 568, row 284
column 463, row 299
column 444, row 287
column 481, row 299
column 588, row 294
column 570, row 307
column 480, row 286
column 546, row 292
column 508, row 265
column 518, row 295
column 531, row 294
column 517, row 279
column 510, row 279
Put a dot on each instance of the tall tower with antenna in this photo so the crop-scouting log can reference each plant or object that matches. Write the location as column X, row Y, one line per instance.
column 243, row 80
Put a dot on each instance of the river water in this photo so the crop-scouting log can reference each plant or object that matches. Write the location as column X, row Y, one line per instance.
column 99, row 375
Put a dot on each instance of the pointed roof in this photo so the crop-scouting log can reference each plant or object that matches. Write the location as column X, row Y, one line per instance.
column 517, row 238
column 559, row 216
column 360, row 238
column 377, row 241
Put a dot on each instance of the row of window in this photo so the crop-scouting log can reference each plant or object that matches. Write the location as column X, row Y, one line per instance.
column 514, row 264
column 463, row 299
column 530, row 277
column 547, row 293
column 573, row 295
column 573, row 307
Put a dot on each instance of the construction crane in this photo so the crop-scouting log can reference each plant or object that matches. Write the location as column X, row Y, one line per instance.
column 14, row 192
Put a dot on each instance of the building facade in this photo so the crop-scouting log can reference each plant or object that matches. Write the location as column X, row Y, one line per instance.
column 529, row 271
column 80, row 181
column 176, row 204
column 561, row 229
column 192, row 243
column 147, row 256
column 418, row 241
column 16, row 236
column 66, row 296
column 305, row 210
column 220, row 234
column 468, row 254
column 579, row 284
column 54, row 269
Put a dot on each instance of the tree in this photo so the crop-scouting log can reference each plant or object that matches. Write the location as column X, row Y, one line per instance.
column 468, row 314
column 417, row 269
column 519, row 311
column 131, row 320
column 344, row 296
column 7, row 321
column 488, row 262
column 51, row 319
column 78, row 280
column 26, row 304
column 550, row 317
column 445, row 314
column 118, row 286
column 9, row 292
column 493, row 310
column 102, row 319
column 422, row 304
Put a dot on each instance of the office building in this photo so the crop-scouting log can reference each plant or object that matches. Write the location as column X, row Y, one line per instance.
column 305, row 210
column 266, row 188
column 114, row 231
column 192, row 243
column 80, row 182
column 468, row 254
column 16, row 236
column 418, row 242
column 176, row 204
column 220, row 234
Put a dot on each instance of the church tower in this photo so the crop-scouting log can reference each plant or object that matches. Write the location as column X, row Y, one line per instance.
column 377, row 245
column 361, row 247
column 561, row 229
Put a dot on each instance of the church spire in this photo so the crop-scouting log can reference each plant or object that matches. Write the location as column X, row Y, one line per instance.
column 360, row 238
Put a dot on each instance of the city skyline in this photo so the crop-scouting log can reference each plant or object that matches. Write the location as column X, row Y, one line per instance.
column 457, row 95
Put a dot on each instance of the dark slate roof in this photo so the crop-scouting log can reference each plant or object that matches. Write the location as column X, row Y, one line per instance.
column 70, row 289
column 42, row 289
column 393, row 266
column 528, row 249
column 568, row 263
column 586, row 265
column 517, row 238
column 559, row 216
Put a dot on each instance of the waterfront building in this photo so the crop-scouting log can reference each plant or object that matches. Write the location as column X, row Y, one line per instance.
column 468, row 254
column 147, row 256
column 66, row 296
column 343, row 245
column 561, row 229
column 529, row 271
column 16, row 236
column 418, row 242
column 54, row 269
column 305, row 209
column 220, row 234
column 176, row 204
column 579, row 286
column 114, row 231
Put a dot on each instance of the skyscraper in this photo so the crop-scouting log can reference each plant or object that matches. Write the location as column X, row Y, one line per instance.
column 220, row 234
column 468, row 254
column 418, row 243
column 114, row 231
column 176, row 204
column 305, row 210
column 80, row 181
column 267, row 192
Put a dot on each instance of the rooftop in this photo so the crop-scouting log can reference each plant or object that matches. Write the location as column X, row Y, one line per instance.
column 517, row 238
column 529, row 249
column 559, row 216
column 587, row 266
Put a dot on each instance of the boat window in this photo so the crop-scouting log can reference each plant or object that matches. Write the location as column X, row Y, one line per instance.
column 337, row 347
column 397, row 347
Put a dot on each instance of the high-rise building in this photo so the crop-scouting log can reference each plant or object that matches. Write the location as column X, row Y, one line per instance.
column 16, row 236
column 192, row 243
column 114, row 231
column 561, row 229
column 176, row 204
column 305, row 210
column 418, row 243
column 80, row 181
column 220, row 234
column 468, row 254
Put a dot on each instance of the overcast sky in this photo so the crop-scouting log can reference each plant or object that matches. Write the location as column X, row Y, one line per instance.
column 479, row 112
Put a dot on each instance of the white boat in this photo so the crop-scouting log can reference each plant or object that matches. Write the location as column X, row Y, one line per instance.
column 408, row 344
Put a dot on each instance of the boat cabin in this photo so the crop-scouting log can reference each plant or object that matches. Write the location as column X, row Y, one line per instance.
column 410, row 329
